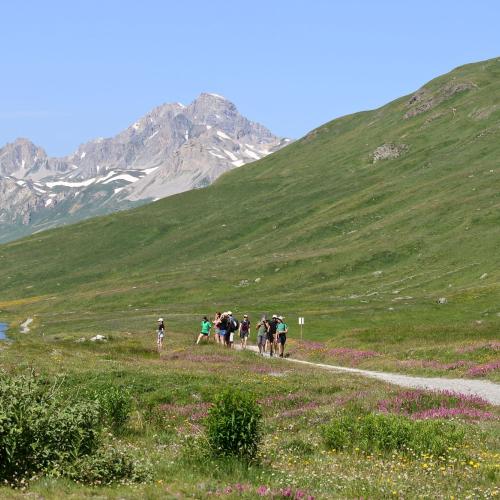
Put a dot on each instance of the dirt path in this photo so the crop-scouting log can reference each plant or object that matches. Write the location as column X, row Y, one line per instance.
column 484, row 388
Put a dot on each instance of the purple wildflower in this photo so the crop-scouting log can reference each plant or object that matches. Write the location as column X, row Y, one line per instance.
column 481, row 370
column 194, row 412
column 262, row 490
column 443, row 412
column 436, row 365
column 352, row 354
column 300, row 410
column 493, row 346
column 435, row 404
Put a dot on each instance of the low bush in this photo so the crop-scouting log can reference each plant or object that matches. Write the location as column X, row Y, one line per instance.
column 387, row 433
column 115, row 405
column 233, row 425
column 108, row 465
column 39, row 431
column 43, row 432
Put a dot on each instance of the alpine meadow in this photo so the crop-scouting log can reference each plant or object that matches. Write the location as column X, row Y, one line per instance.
column 380, row 228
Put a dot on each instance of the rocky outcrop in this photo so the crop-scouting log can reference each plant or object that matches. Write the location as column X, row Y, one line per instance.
column 424, row 99
column 18, row 201
column 389, row 152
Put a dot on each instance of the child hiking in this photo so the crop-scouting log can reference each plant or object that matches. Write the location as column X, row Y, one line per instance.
column 160, row 334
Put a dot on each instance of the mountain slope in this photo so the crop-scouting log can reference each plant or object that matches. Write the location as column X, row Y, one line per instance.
column 364, row 222
column 172, row 149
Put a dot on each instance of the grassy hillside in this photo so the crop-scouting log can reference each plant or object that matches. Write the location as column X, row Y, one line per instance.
column 361, row 248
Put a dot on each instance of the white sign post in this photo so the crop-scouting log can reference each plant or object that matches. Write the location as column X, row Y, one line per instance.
column 301, row 323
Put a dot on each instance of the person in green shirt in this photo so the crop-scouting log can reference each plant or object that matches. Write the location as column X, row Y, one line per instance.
column 205, row 329
column 282, row 330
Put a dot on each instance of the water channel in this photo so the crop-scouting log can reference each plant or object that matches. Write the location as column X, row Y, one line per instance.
column 3, row 330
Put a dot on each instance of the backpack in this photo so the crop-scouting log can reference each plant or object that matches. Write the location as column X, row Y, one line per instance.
column 234, row 325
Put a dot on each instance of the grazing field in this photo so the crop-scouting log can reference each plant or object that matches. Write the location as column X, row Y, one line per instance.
column 301, row 451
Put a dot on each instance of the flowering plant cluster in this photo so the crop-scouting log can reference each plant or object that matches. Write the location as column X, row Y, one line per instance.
column 483, row 369
column 352, row 355
column 436, row 365
column 419, row 404
column 299, row 410
column 490, row 346
column 346, row 354
column 193, row 412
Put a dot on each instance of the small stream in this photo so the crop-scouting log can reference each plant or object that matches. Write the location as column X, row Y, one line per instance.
column 3, row 330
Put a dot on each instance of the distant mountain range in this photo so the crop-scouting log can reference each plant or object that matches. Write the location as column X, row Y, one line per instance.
column 172, row 149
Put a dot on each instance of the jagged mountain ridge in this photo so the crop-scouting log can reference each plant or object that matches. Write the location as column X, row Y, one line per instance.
column 173, row 148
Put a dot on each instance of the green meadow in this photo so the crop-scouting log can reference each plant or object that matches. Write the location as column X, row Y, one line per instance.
column 362, row 249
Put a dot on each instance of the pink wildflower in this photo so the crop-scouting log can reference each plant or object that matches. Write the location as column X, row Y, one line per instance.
column 481, row 370
column 262, row 490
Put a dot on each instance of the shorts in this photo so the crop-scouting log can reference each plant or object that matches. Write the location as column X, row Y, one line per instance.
column 270, row 337
column 231, row 337
column 261, row 339
column 222, row 333
column 243, row 335
column 216, row 330
column 160, row 336
column 282, row 339
column 205, row 333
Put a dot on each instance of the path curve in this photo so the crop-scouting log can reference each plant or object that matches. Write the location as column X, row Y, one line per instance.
column 483, row 388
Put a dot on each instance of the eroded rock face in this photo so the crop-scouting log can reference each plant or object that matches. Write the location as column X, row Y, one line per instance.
column 18, row 202
column 389, row 152
column 423, row 100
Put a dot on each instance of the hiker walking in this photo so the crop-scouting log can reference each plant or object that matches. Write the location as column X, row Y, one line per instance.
column 262, row 327
column 160, row 334
column 271, row 334
column 244, row 331
column 233, row 326
column 205, row 329
column 223, row 326
column 217, row 327
column 282, row 330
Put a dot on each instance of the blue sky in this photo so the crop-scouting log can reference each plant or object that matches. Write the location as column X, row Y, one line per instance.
column 72, row 71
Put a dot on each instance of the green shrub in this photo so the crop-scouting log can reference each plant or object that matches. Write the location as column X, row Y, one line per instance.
column 233, row 425
column 44, row 432
column 108, row 465
column 39, row 431
column 115, row 405
column 387, row 433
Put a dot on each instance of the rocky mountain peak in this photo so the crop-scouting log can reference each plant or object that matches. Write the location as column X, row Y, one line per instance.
column 19, row 157
column 173, row 148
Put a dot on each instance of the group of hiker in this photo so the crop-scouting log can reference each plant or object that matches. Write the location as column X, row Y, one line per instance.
column 271, row 333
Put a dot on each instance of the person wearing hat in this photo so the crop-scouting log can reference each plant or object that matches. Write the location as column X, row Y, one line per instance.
column 233, row 326
column 160, row 333
column 205, row 329
column 244, row 331
column 282, row 330
column 271, row 335
column 216, row 323
column 262, row 327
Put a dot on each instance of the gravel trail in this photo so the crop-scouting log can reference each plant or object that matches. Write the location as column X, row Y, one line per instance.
column 483, row 388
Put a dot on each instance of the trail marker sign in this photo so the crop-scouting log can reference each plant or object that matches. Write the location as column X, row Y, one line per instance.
column 301, row 323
